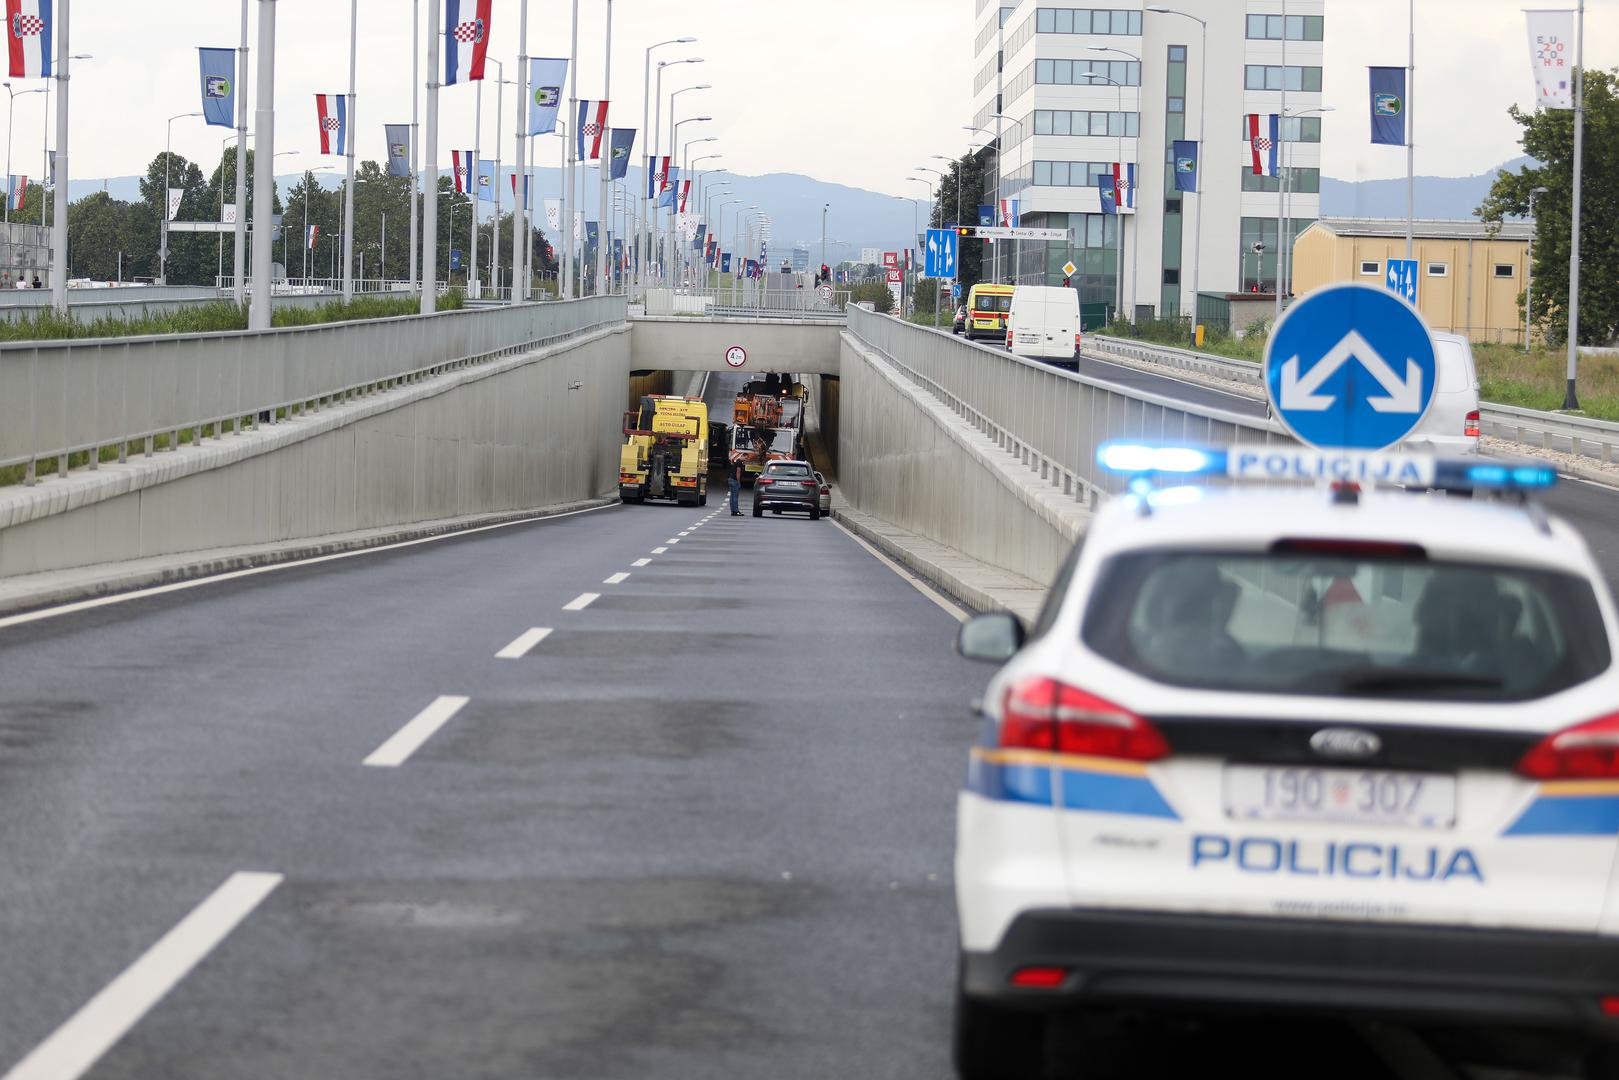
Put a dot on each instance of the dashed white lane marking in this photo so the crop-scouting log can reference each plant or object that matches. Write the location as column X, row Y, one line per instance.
column 159, row 590
column 423, row 726
column 523, row 642
column 582, row 601
column 616, row 579
column 921, row 586
column 659, row 550
column 685, row 533
column 642, row 562
column 72, row 1049
column 672, row 540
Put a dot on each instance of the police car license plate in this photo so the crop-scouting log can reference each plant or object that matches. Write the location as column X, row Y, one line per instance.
column 1368, row 796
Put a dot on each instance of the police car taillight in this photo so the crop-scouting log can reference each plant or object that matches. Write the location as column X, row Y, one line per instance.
column 1044, row 714
column 1588, row 751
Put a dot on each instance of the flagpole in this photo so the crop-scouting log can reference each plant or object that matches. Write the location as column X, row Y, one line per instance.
column 1410, row 127
column 1571, row 398
column 263, row 176
column 239, row 252
column 59, row 229
column 415, row 138
column 602, row 288
column 1281, row 177
column 494, row 182
column 573, row 117
column 520, row 289
column 351, row 129
column 430, row 209
column 473, row 282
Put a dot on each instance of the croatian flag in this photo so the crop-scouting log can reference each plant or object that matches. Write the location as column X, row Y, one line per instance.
column 16, row 190
column 463, row 170
column 1124, row 186
column 592, row 129
column 657, row 177
column 685, row 190
column 1262, row 142
column 333, row 110
column 466, row 39
column 28, row 38
column 314, row 233
column 1009, row 213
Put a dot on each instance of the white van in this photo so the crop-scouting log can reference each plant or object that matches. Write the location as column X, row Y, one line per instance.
column 1044, row 323
column 1452, row 423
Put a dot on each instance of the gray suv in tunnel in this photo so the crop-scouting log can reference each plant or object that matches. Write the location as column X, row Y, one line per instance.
column 787, row 485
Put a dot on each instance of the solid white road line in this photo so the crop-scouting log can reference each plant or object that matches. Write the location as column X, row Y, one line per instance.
column 921, row 586
column 523, row 642
column 159, row 590
column 642, row 562
column 408, row 739
column 659, row 550
column 582, row 601
column 616, row 579
column 75, row 1047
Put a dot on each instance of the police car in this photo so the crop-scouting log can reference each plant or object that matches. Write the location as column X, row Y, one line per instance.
column 1286, row 749
column 1334, row 747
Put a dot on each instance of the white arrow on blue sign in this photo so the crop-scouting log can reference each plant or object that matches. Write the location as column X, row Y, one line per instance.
column 940, row 260
column 1350, row 367
column 1401, row 278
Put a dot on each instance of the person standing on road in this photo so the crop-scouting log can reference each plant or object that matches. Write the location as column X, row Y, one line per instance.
column 733, row 483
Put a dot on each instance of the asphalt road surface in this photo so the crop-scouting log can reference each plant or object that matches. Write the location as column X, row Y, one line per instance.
column 638, row 792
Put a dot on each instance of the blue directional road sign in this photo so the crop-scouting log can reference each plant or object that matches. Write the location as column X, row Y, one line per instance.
column 955, row 291
column 1401, row 277
column 1350, row 367
column 941, row 254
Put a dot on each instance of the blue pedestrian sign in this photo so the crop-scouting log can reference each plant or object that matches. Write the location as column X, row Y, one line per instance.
column 941, row 254
column 1350, row 367
column 1401, row 277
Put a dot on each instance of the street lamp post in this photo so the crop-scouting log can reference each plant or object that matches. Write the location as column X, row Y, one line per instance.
column 647, row 131
column 929, row 183
column 163, row 247
column 1284, row 221
column 656, row 132
column 1119, row 209
column 1202, row 119
column 824, row 208
column 11, row 101
column 674, row 152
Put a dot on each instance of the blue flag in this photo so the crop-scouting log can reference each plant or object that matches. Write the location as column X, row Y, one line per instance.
column 725, row 262
column 1388, row 105
column 546, row 76
column 486, row 181
column 1109, row 192
column 986, row 215
column 592, row 233
column 666, row 198
column 218, row 86
column 619, row 146
column 1185, row 165
column 398, row 140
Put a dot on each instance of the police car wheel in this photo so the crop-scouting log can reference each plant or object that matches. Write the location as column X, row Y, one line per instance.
column 997, row 1044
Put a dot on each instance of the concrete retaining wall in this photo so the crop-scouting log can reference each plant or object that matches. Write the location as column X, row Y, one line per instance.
column 905, row 458
column 524, row 432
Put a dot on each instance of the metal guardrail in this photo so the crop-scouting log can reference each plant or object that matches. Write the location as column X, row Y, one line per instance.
column 1577, row 435
column 1051, row 420
column 746, row 302
column 79, row 395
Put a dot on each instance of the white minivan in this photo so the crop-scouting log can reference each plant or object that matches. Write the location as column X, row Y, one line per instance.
column 1044, row 323
column 1452, row 423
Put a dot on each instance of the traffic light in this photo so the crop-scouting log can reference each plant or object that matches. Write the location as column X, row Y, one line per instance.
column 966, row 231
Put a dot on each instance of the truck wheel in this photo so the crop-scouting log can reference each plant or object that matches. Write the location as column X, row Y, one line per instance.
column 758, row 511
column 997, row 1044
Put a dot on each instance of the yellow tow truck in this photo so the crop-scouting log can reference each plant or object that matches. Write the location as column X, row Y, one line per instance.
column 665, row 451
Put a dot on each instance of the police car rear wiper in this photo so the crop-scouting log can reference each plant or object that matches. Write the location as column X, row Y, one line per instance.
column 1374, row 680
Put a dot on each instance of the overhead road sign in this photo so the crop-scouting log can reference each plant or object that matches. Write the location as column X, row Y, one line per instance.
column 1401, row 278
column 1350, row 367
column 940, row 261
column 998, row 233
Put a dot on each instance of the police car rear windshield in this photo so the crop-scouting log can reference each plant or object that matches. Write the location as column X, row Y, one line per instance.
column 1374, row 626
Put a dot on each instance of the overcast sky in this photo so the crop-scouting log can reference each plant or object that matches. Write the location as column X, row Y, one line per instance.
column 851, row 91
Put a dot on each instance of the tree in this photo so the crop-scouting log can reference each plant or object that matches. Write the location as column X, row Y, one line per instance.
column 222, row 189
column 191, row 255
column 1548, row 137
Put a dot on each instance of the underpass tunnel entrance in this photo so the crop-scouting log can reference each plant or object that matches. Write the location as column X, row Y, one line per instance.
column 752, row 416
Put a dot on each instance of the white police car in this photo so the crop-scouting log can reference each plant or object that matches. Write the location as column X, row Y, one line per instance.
column 1293, row 749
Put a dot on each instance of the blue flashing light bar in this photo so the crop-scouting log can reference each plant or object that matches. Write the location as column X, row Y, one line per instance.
column 1292, row 463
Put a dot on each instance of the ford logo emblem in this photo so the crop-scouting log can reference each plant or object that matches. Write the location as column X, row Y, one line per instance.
column 1342, row 742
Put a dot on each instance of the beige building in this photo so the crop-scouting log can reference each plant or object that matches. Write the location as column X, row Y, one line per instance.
column 1470, row 275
